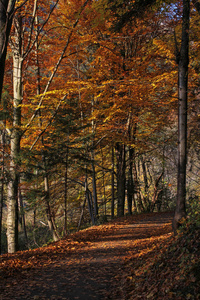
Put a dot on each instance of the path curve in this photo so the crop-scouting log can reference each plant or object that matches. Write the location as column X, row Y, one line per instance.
column 92, row 271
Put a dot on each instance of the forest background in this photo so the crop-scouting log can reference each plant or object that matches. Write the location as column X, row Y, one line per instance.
column 89, row 116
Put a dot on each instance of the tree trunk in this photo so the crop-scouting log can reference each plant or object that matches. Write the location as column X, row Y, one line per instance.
column 94, row 185
column 12, row 217
column 137, row 189
column 50, row 217
column 6, row 16
column 156, row 192
column 1, row 210
column 113, row 185
column 2, row 187
column 121, row 179
column 146, row 186
column 81, row 216
column 66, row 194
column 12, row 193
column 183, row 61
column 130, row 185
column 22, row 215
column 133, row 184
column 88, row 196
column 104, row 189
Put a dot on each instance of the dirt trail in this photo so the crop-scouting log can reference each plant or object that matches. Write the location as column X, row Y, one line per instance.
column 92, row 271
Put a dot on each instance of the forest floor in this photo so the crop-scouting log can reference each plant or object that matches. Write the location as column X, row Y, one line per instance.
column 95, row 263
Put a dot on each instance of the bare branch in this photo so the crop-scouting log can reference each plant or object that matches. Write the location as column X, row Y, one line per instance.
column 57, row 65
column 29, row 48
column 196, row 4
column 32, row 26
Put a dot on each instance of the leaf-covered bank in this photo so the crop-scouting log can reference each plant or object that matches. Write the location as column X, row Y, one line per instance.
column 169, row 270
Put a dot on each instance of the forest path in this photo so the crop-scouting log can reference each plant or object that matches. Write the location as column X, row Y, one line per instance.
column 85, row 266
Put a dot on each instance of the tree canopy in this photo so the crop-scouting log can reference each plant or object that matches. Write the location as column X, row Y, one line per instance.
column 89, row 113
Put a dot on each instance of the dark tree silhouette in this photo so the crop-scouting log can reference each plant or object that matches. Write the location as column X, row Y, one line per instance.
column 6, row 15
column 183, row 61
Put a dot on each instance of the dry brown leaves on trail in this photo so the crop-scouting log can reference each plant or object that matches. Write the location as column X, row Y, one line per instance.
column 85, row 265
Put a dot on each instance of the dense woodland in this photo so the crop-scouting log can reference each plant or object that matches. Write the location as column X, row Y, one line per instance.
column 89, row 115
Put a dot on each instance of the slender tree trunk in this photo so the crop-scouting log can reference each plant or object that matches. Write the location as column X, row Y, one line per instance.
column 81, row 216
column 130, row 185
column 94, row 185
column 50, row 218
column 156, row 192
column 1, row 211
column 34, row 217
column 132, row 166
column 183, row 61
column 121, row 179
column 88, row 196
column 66, row 194
column 137, row 191
column 6, row 16
column 22, row 215
column 113, row 185
column 146, row 187
column 103, row 179
column 2, row 188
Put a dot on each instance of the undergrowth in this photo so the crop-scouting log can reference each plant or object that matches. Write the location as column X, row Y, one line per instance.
column 171, row 268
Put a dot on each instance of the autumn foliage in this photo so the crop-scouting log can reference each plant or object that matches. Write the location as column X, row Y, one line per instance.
column 92, row 132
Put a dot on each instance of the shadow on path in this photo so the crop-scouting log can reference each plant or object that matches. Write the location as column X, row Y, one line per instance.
column 91, row 272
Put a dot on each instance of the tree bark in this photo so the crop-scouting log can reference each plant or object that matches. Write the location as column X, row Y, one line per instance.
column 6, row 16
column 104, row 189
column 137, row 191
column 50, row 218
column 88, row 196
column 22, row 215
column 94, row 185
column 66, row 194
column 12, row 194
column 183, row 61
column 81, row 216
column 121, row 178
column 156, row 192
column 113, row 185
column 130, row 185
column 146, row 186
column 2, row 186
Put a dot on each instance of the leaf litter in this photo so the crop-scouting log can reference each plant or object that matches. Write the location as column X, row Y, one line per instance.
column 134, row 257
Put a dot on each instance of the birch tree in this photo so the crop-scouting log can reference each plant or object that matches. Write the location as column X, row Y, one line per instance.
column 20, row 51
column 19, row 56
